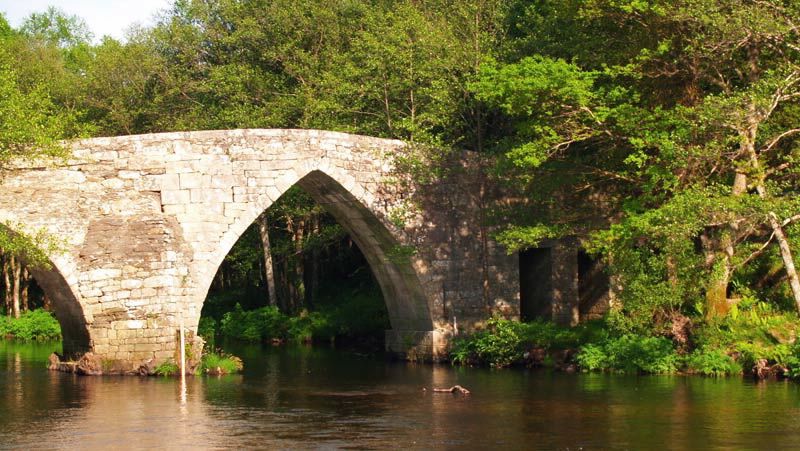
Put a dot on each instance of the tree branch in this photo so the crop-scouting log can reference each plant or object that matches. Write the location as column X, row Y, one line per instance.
column 756, row 253
column 775, row 140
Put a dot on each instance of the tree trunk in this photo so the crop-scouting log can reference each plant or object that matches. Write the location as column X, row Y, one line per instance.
column 7, row 284
column 299, row 267
column 748, row 142
column 269, row 271
column 717, row 292
column 780, row 237
column 312, row 289
column 786, row 255
column 17, row 269
column 286, row 286
column 26, row 283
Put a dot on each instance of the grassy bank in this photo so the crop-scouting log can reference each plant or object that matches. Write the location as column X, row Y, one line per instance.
column 751, row 339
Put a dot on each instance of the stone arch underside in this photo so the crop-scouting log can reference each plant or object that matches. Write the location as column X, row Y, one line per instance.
column 66, row 307
column 402, row 292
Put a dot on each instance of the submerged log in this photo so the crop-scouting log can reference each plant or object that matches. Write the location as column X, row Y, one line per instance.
column 453, row 389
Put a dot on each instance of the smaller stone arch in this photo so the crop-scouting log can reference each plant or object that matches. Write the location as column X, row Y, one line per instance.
column 52, row 277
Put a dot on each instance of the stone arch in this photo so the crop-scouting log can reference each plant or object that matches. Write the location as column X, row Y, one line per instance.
column 402, row 290
column 53, row 279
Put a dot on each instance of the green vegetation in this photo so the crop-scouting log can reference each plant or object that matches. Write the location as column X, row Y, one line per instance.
column 712, row 362
column 34, row 325
column 168, row 368
column 504, row 342
column 630, row 353
column 751, row 339
column 349, row 316
column 219, row 364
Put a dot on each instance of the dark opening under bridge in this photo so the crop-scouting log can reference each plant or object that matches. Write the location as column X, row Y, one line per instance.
column 146, row 221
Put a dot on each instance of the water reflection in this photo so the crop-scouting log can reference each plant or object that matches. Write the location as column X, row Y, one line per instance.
column 318, row 398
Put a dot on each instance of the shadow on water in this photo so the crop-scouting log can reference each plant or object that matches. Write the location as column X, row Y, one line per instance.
column 290, row 397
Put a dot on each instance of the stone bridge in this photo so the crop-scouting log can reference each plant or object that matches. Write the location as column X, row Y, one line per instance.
column 145, row 221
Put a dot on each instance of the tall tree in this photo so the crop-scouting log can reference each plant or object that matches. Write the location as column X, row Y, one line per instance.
column 269, row 270
column 679, row 118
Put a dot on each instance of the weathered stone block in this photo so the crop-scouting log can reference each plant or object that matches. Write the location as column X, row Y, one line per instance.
column 175, row 197
column 103, row 273
column 191, row 180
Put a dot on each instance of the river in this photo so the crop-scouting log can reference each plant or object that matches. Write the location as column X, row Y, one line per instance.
column 303, row 397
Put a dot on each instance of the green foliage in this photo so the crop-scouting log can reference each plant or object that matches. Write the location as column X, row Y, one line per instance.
column 518, row 238
column 207, row 329
column 57, row 28
column 33, row 325
column 630, row 354
column 753, row 331
column 34, row 248
column 499, row 345
column 30, row 122
column 167, row 368
column 793, row 362
column 220, row 363
column 712, row 362
column 352, row 315
column 647, row 110
column 254, row 325
column 504, row 342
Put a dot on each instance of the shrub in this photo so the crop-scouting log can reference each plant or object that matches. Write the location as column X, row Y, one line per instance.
column 5, row 326
column 499, row 345
column 593, row 357
column 753, row 331
column 213, row 363
column 712, row 362
column 353, row 315
column 793, row 362
column 34, row 325
column 167, row 368
column 630, row 353
column 254, row 325
column 505, row 342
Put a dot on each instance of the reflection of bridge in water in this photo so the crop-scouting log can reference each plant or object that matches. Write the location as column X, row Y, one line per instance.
column 148, row 219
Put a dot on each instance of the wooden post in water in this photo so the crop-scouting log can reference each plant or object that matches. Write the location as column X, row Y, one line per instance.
column 183, row 350
column 183, row 363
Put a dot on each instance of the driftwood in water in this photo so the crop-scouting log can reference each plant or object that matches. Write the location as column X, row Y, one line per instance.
column 453, row 389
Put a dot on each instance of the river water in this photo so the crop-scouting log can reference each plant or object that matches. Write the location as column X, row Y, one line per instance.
column 302, row 397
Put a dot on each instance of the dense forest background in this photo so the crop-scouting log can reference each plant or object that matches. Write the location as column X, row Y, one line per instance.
column 679, row 119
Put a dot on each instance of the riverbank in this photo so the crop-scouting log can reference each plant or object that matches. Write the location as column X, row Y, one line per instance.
column 754, row 340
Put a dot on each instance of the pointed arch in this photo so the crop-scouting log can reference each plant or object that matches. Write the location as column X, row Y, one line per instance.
column 402, row 291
